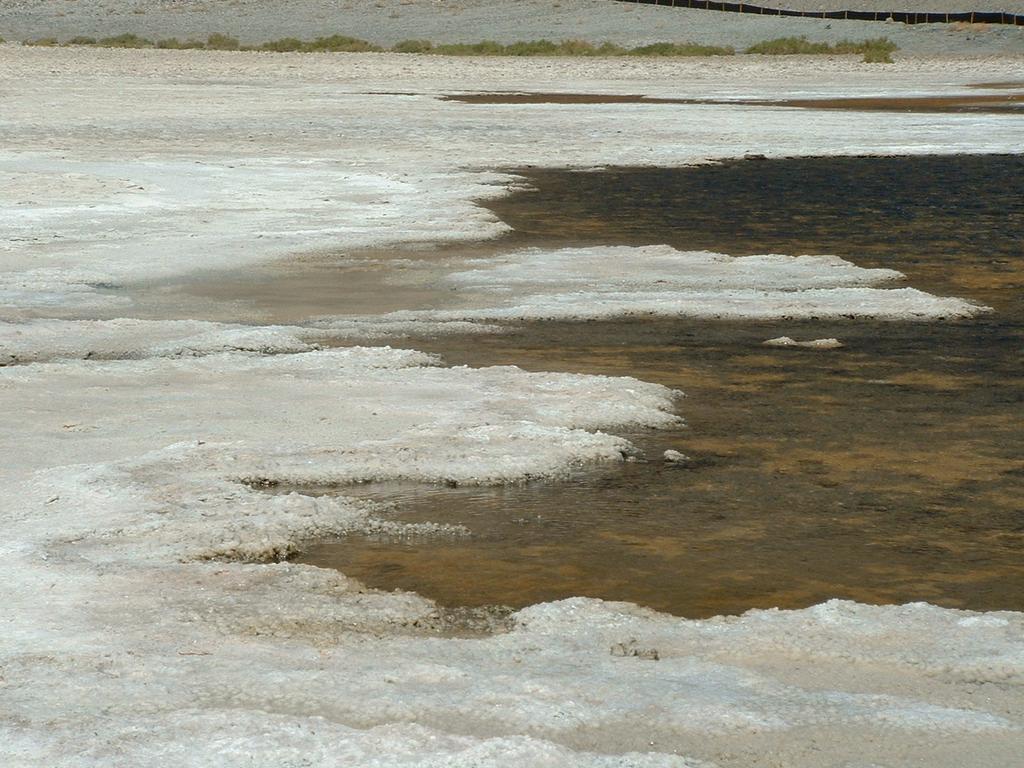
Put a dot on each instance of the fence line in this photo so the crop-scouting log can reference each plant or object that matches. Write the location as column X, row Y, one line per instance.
column 906, row 17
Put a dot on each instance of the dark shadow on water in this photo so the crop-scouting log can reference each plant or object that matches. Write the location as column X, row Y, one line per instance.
column 889, row 470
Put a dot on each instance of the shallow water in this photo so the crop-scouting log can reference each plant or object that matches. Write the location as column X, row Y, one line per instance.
column 889, row 470
column 869, row 472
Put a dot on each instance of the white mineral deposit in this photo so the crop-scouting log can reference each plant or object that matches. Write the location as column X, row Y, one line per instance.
column 149, row 613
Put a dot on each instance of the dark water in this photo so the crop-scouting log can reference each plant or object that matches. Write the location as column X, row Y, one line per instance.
column 890, row 470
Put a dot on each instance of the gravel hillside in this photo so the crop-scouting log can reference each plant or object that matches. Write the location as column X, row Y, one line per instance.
column 389, row 21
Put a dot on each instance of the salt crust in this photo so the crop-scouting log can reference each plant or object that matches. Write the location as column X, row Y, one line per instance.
column 108, row 183
column 213, row 739
column 599, row 282
column 786, row 341
column 132, row 633
column 128, row 338
column 538, row 270
column 573, row 284
column 157, row 641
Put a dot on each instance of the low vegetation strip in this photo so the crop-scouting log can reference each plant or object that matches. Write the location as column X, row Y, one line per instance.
column 877, row 50
column 345, row 44
column 218, row 42
column 906, row 17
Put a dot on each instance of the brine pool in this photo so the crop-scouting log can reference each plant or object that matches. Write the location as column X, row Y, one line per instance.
column 888, row 470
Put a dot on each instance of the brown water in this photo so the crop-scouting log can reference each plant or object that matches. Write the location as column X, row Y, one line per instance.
column 989, row 103
column 886, row 471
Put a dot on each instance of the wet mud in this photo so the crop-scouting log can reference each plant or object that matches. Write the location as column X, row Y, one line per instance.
column 359, row 283
column 1000, row 84
column 971, row 102
column 890, row 470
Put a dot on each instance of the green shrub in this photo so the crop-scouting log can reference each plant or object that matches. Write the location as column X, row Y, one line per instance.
column 284, row 45
column 127, row 40
column 875, row 50
column 413, row 46
column 174, row 44
column 876, row 44
column 520, row 48
column 585, row 48
column 609, row 49
column 789, row 46
column 875, row 56
column 532, row 48
column 681, row 49
column 576, row 48
column 483, row 48
column 341, row 44
column 218, row 42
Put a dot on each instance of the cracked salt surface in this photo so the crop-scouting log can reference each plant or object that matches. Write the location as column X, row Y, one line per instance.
column 132, row 634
